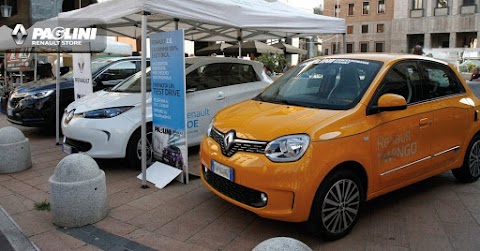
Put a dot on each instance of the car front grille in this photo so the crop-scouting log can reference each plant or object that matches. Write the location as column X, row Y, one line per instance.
column 235, row 191
column 79, row 145
column 238, row 144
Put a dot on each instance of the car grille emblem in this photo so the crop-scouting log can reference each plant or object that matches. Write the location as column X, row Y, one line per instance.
column 229, row 140
column 69, row 116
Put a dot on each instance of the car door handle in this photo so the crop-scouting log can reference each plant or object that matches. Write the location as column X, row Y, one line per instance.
column 425, row 122
column 220, row 96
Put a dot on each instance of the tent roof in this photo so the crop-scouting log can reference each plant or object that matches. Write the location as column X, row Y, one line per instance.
column 206, row 20
column 252, row 47
column 289, row 49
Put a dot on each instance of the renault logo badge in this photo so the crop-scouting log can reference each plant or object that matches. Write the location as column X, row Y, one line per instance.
column 229, row 140
column 19, row 34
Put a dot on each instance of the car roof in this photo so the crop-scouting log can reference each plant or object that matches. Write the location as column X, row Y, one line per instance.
column 382, row 57
column 193, row 60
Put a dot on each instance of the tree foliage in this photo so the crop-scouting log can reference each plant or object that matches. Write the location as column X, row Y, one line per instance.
column 275, row 62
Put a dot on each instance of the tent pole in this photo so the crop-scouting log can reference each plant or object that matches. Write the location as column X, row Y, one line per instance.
column 176, row 23
column 57, row 97
column 5, row 73
column 239, row 39
column 144, row 101
column 35, row 68
column 344, row 36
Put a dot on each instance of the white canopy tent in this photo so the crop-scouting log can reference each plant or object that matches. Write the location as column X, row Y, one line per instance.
column 201, row 20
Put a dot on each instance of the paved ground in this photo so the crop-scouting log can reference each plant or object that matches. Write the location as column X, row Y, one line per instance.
column 437, row 214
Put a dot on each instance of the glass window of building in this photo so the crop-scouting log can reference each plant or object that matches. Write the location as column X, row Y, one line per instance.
column 468, row 2
column 350, row 29
column 337, row 10
column 381, row 7
column 349, row 47
column 379, row 47
column 417, row 4
column 366, row 8
column 365, row 28
column 363, row 46
column 351, row 8
column 380, row 28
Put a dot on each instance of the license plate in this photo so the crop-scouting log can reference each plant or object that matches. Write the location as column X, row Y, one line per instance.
column 9, row 112
column 222, row 170
column 67, row 149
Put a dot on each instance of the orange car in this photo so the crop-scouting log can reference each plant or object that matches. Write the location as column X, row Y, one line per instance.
column 337, row 131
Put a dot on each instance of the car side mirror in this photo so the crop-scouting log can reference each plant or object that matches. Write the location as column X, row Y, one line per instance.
column 391, row 102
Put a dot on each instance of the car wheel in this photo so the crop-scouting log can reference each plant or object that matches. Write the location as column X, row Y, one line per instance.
column 336, row 206
column 470, row 170
column 134, row 149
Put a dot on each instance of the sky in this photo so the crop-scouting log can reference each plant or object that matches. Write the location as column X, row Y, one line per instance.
column 305, row 4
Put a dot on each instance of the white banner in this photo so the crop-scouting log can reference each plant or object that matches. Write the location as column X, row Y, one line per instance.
column 82, row 74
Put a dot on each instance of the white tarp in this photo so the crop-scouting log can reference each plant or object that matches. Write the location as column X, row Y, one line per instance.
column 206, row 20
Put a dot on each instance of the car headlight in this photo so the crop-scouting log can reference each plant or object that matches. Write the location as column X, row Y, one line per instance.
column 106, row 113
column 287, row 148
column 210, row 126
column 39, row 95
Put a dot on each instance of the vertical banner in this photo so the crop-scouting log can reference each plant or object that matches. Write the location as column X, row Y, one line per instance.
column 167, row 61
column 82, row 74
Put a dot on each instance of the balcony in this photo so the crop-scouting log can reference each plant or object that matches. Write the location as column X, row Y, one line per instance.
column 468, row 9
column 416, row 13
column 441, row 11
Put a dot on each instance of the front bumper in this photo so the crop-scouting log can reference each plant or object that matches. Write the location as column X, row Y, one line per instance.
column 33, row 113
column 98, row 138
column 289, row 187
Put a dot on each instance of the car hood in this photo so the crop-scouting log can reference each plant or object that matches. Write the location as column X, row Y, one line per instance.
column 41, row 85
column 106, row 99
column 263, row 121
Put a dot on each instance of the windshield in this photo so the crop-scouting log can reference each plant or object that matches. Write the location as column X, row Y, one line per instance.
column 336, row 84
column 96, row 66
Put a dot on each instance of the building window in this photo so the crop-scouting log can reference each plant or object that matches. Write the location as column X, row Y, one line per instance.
column 366, row 8
column 350, row 29
column 365, row 28
column 468, row 2
column 379, row 47
column 417, row 4
column 335, row 48
column 381, row 7
column 337, row 10
column 351, row 7
column 363, row 46
column 441, row 3
column 349, row 47
column 326, row 51
column 380, row 28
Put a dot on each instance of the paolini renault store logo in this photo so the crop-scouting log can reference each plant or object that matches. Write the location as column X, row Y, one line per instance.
column 59, row 37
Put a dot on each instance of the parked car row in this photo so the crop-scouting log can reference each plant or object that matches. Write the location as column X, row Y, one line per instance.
column 313, row 147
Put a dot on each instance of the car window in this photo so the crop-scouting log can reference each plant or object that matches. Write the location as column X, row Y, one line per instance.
column 220, row 74
column 440, row 81
column 241, row 73
column 133, row 84
column 402, row 79
column 327, row 84
column 117, row 72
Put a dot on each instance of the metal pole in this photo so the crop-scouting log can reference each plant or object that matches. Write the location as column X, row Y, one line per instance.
column 57, row 98
column 344, row 43
column 239, row 38
column 144, row 101
column 21, row 76
column 5, row 73
column 35, row 68
column 176, row 23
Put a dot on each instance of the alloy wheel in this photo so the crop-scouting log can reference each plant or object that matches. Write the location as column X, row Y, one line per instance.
column 474, row 159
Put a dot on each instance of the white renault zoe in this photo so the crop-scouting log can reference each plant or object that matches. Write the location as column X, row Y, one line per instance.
column 106, row 124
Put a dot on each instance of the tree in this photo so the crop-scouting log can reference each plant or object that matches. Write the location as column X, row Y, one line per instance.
column 275, row 62
column 318, row 10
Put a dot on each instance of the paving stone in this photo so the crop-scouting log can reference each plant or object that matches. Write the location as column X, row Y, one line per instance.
column 55, row 240
column 115, row 226
column 461, row 236
column 125, row 212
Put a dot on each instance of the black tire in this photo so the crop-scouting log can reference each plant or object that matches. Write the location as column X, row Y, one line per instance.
column 325, row 216
column 470, row 169
column 134, row 153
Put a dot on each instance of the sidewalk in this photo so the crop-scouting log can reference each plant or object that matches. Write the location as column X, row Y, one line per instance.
column 437, row 214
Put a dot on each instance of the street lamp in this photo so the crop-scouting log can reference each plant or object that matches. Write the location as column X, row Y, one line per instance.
column 6, row 9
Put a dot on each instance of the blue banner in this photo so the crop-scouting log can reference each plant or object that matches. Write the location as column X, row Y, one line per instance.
column 168, row 99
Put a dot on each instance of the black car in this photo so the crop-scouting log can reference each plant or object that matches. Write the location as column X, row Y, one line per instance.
column 33, row 104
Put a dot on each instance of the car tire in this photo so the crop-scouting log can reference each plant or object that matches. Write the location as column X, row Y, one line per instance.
column 470, row 169
column 339, row 199
column 134, row 153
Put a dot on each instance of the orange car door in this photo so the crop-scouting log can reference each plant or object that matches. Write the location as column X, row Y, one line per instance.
column 401, row 140
column 452, row 113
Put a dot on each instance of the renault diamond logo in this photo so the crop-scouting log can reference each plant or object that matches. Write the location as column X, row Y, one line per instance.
column 19, row 34
column 229, row 139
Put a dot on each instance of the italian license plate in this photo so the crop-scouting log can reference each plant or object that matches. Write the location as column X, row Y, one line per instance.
column 222, row 170
column 9, row 112
column 67, row 149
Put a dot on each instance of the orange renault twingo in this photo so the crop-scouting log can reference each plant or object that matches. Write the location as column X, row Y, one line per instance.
column 337, row 131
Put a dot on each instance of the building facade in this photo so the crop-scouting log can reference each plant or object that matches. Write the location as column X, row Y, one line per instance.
column 368, row 25
column 398, row 25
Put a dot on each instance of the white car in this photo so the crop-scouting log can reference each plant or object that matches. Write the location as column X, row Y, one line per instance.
column 106, row 124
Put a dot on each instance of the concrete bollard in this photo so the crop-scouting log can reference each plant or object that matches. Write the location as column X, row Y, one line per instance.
column 78, row 192
column 280, row 244
column 15, row 153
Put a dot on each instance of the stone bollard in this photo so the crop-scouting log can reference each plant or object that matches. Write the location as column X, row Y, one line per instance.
column 280, row 244
column 78, row 192
column 15, row 153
